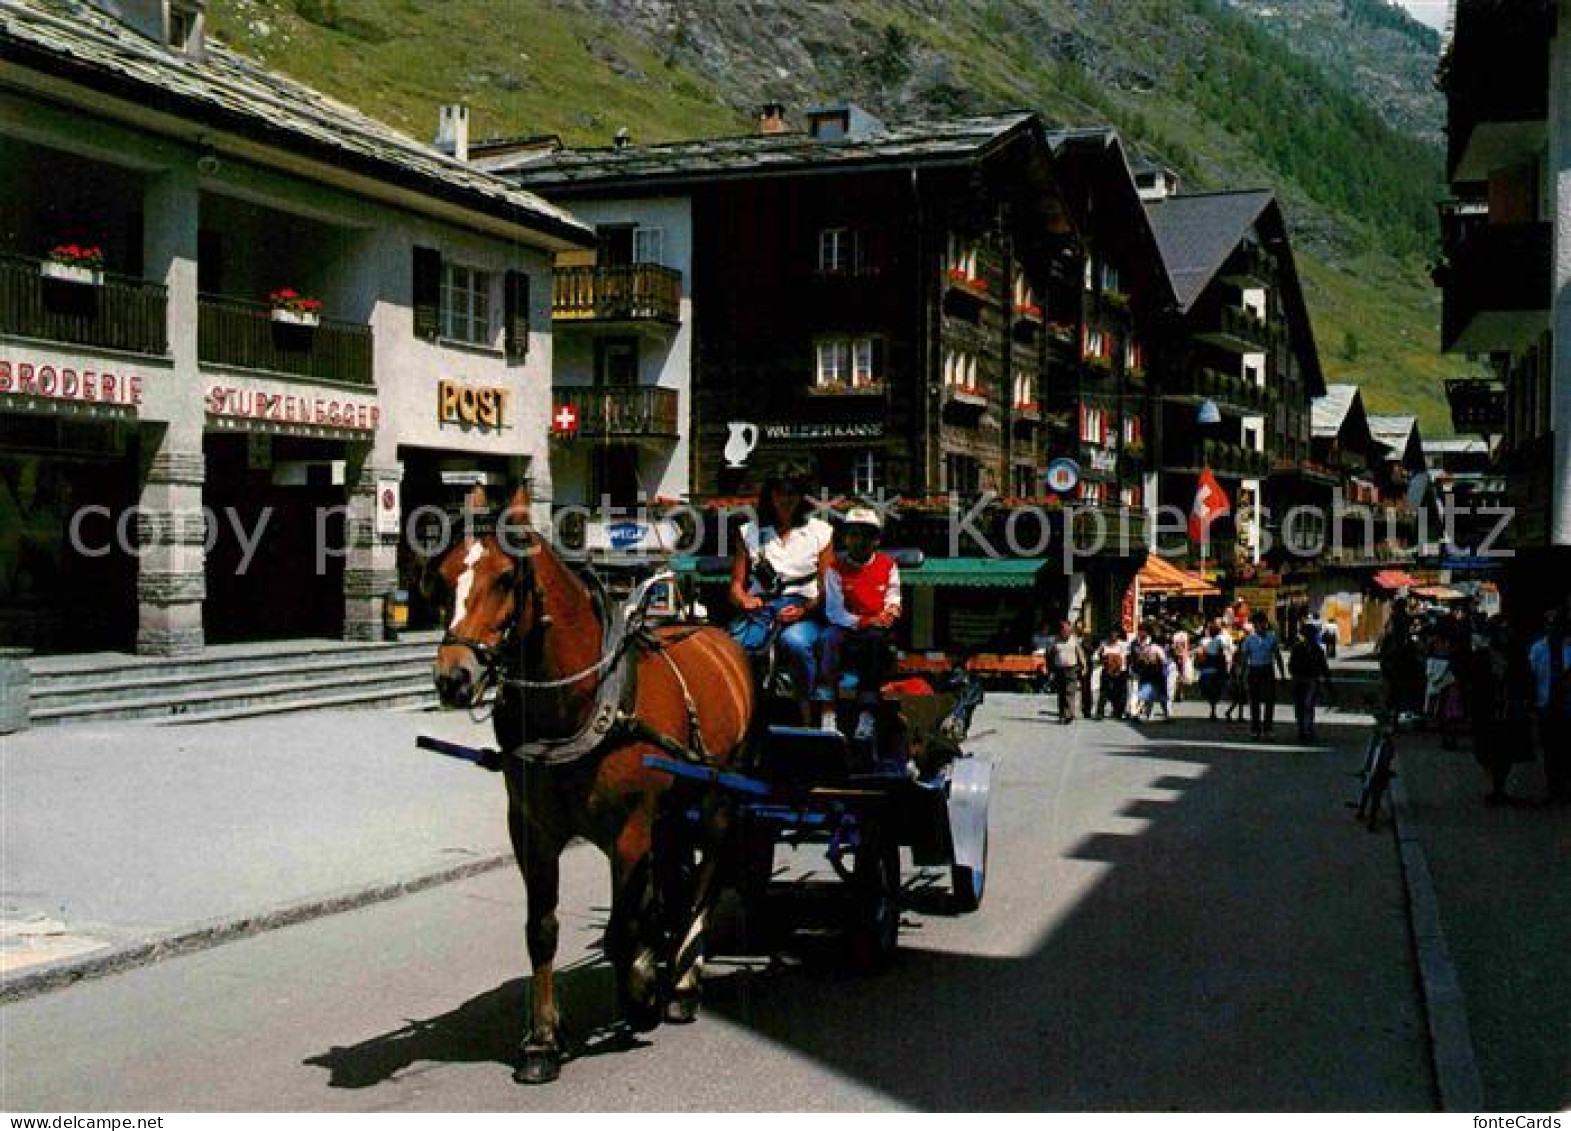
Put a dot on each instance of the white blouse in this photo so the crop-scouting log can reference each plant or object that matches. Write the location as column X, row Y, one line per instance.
column 793, row 557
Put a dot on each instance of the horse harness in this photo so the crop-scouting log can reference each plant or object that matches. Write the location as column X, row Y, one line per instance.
column 614, row 720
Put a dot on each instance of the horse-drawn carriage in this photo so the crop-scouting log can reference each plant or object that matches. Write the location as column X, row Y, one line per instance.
column 627, row 723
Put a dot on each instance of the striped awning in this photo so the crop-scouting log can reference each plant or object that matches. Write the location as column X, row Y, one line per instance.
column 1159, row 575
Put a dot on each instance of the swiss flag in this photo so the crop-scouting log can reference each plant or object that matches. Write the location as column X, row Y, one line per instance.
column 1210, row 504
column 564, row 421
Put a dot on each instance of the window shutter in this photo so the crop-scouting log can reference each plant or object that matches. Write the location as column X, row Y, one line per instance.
column 427, row 295
column 515, row 310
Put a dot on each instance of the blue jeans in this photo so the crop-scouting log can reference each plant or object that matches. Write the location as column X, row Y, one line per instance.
column 797, row 643
column 861, row 651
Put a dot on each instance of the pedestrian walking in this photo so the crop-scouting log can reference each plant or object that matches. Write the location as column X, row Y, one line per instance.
column 1311, row 674
column 1151, row 675
column 1212, row 665
column 1067, row 660
column 1237, row 674
column 1496, row 728
column 1550, row 660
column 1112, row 662
column 1330, row 632
column 1262, row 657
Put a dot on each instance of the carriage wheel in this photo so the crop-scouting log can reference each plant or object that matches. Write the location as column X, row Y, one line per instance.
column 875, row 927
column 968, row 884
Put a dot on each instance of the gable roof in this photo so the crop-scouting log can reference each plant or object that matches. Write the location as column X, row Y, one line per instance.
column 1398, row 433
column 225, row 90
column 1197, row 233
column 1327, row 414
column 929, row 141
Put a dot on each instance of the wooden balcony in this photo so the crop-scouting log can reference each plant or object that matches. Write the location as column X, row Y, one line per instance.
column 235, row 332
column 635, row 293
column 1229, row 460
column 117, row 313
column 1233, row 394
column 641, row 412
column 1496, row 287
column 1238, row 330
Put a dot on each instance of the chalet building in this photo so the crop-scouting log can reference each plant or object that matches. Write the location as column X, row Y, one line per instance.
column 1371, row 546
column 1101, row 400
column 895, row 306
column 222, row 290
column 1237, row 367
column 1506, row 269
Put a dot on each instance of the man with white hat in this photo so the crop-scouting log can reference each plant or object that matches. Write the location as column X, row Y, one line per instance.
column 861, row 604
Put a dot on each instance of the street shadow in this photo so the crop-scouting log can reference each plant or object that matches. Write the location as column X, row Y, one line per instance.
column 1237, row 944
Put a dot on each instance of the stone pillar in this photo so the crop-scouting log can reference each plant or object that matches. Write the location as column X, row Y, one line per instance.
column 371, row 567
column 172, row 580
column 1559, row 191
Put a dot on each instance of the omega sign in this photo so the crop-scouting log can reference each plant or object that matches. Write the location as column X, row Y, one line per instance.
column 469, row 406
column 66, row 383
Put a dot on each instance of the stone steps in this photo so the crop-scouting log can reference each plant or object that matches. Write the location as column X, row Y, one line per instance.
column 233, row 681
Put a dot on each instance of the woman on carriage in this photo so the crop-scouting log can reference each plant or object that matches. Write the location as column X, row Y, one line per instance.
column 777, row 579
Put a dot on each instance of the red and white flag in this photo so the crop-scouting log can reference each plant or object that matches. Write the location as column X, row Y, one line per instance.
column 1211, row 503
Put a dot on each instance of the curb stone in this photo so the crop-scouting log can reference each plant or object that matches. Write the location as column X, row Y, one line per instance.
column 50, row 976
column 1450, row 1039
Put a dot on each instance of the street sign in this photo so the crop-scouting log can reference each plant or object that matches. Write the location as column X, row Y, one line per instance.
column 1063, row 475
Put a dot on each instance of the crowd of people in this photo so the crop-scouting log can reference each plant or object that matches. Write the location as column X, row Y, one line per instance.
column 1232, row 663
column 1469, row 676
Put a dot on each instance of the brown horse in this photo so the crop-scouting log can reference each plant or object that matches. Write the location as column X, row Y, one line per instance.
column 523, row 619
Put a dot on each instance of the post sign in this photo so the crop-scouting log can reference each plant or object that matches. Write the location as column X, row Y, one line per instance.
column 471, row 406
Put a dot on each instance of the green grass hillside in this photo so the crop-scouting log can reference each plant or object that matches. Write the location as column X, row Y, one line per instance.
column 1196, row 84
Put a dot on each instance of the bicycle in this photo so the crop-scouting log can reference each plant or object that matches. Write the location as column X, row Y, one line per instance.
column 1379, row 759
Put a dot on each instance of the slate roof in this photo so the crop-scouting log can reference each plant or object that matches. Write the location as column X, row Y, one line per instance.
column 1395, row 432
column 935, row 141
column 74, row 40
column 1327, row 413
column 1197, row 232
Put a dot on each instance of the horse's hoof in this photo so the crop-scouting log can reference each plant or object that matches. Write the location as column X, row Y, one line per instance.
column 540, row 1065
column 643, row 1017
column 682, row 1009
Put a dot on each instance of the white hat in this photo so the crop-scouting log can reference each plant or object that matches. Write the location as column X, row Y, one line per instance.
column 864, row 516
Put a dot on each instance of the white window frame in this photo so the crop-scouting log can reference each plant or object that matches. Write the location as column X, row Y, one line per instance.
column 840, row 251
column 1109, row 277
column 863, row 375
column 832, row 362
column 866, row 470
column 1094, row 342
column 649, row 245
column 467, row 310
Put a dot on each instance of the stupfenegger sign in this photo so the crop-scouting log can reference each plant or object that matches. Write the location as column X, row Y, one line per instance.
column 347, row 414
column 68, row 383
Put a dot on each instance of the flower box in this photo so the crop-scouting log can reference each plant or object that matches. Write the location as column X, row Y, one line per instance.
column 295, row 317
column 71, row 273
column 1029, row 311
column 841, row 389
column 968, row 395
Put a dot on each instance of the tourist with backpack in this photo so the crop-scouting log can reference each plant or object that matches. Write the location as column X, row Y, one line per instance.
column 1112, row 660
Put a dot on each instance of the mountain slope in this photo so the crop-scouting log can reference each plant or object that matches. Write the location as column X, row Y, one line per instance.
column 1232, row 93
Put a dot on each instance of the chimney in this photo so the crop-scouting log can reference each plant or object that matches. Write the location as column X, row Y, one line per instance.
column 772, row 119
column 1156, row 182
column 622, row 137
column 452, row 131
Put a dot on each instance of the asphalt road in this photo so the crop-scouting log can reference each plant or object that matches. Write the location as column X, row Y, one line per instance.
column 1177, row 918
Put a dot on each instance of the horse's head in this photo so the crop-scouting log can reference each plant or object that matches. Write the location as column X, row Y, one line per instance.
column 495, row 603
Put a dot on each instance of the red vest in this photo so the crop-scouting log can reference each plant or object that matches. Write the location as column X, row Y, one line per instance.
column 865, row 588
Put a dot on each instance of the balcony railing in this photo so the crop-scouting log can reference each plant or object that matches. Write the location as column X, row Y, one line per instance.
column 640, row 412
column 1224, row 459
column 243, row 334
column 1240, row 329
column 1232, row 392
column 117, row 313
column 635, row 292
column 1496, row 282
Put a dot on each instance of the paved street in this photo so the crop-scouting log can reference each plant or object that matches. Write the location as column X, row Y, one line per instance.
column 1176, row 918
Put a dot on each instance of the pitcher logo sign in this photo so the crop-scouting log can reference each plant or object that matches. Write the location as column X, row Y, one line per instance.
column 740, row 444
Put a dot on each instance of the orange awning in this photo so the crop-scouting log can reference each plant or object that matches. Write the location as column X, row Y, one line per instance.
column 1394, row 579
column 1159, row 575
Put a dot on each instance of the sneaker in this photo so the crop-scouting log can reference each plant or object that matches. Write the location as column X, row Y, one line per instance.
column 866, row 727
